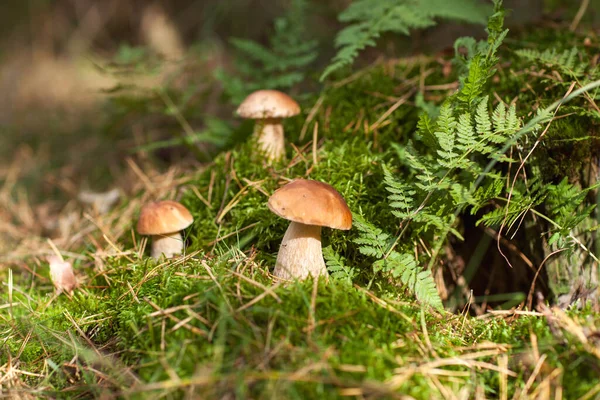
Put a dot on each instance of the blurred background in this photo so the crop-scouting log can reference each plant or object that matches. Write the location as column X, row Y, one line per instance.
column 112, row 78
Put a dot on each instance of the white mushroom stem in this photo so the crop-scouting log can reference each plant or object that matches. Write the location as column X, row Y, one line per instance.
column 270, row 137
column 169, row 244
column 300, row 254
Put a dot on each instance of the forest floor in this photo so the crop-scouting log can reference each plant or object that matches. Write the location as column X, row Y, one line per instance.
column 213, row 323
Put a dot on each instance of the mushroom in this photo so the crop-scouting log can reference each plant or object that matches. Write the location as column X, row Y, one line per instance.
column 268, row 107
column 101, row 202
column 62, row 275
column 163, row 220
column 309, row 205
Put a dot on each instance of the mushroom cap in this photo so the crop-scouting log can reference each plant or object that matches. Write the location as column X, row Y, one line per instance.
column 161, row 217
column 311, row 203
column 268, row 104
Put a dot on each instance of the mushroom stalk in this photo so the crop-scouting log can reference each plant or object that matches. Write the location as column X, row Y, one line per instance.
column 300, row 254
column 270, row 138
column 169, row 244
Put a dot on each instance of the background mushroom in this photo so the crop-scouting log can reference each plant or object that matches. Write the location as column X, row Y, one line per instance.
column 268, row 107
column 62, row 275
column 309, row 205
column 163, row 220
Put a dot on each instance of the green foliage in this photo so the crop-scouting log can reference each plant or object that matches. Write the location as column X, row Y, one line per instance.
column 524, row 198
column 281, row 65
column 217, row 132
column 336, row 266
column 480, row 61
column 427, row 188
column 566, row 61
column 374, row 243
column 563, row 203
column 433, row 185
column 420, row 282
column 566, row 207
column 463, row 135
column 443, row 183
column 369, row 19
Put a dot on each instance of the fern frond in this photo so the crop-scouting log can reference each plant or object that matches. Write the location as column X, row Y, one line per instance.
column 524, row 198
column 482, row 118
column 487, row 133
column 280, row 65
column 461, row 195
column 465, row 137
column 566, row 61
column 426, row 177
column 490, row 189
column 442, row 220
column 479, row 63
column 369, row 19
column 419, row 281
column 499, row 117
column 401, row 197
column 468, row 143
column 336, row 266
column 564, row 205
column 445, row 135
column 513, row 123
column 425, row 130
column 475, row 81
column 372, row 241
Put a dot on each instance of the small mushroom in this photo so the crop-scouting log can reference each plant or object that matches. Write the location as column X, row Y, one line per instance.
column 269, row 107
column 309, row 205
column 62, row 275
column 163, row 220
column 101, row 202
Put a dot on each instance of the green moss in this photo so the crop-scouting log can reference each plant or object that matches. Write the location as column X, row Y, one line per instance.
column 348, row 341
column 211, row 321
column 349, row 157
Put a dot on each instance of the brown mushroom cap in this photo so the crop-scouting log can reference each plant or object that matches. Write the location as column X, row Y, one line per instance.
column 311, row 203
column 268, row 104
column 163, row 217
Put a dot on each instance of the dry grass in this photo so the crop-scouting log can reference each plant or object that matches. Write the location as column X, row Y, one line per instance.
column 26, row 227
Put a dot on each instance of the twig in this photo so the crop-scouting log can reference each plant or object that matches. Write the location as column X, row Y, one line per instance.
column 531, row 289
column 582, row 9
column 314, row 144
column 311, row 116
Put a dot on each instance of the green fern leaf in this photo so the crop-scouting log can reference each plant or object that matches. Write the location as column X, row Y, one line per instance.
column 445, row 135
column 566, row 61
column 525, row 196
column 337, row 267
column 280, row 65
column 482, row 118
column 499, row 118
column 419, row 282
column 369, row 19
column 372, row 241
column 425, row 128
column 401, row 197
column 480, row 61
